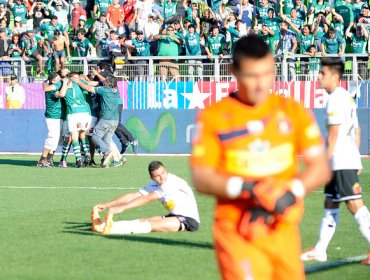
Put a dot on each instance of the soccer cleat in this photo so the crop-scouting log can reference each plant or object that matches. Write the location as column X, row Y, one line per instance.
column 123, row 160
column 96, row 222
column 123, row 149
column 312, row 255
column 134, row 145
column 87, row 161
column 92, row 163
column 42, row 163
column 108, row 224
column 63, row 164
column 51, row 163
column 367, row 261
column 116, row 163
column 79, row 164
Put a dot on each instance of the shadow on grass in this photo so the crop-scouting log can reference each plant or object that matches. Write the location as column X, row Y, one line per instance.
column 85, row 229
column 18, row 162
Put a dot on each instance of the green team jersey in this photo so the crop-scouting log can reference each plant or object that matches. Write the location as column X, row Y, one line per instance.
column 75, row 100
column 320, row 31
column 358, row 44
column 83, row 46
column 54, row 107
column 319, row 7
column 103, row 5
column 338, row 26
column 192, row 44
column 297, row 22
column 108, row 102
column 332, row 45
column 168, row 47
column 301, row 13
column 268, row 39
column 142, row 47
column 15, row 53
column 216, row 44
column 263, row 12
column 357, row 8
column 314, row 63
column 169, row 9
column 103, row 46
column 189, row 12
column 274, row 25
column 305, row 42
column 345, row 9
column 234, row 34
column 31, row 44
column 48, row 29
column 92, row 101
column 287, row 6
column 20, row 11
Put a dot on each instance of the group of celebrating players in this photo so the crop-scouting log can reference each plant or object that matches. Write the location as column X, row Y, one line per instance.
column 84, row 110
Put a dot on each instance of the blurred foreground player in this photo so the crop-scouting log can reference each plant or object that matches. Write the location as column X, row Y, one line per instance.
column 343, row 142
column 245, row 154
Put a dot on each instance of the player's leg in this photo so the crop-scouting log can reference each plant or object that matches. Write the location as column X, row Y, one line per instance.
column 99, row 132
column 85, row 147
column 329, row 221
column 51, row 141
column 66, row 146
column 118, row 160
column 57, row 61
column 62, row 59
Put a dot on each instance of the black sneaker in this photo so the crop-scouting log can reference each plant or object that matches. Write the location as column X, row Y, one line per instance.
column 92, row 163
column 123, row 149
column 87, row 161
column 79, row 164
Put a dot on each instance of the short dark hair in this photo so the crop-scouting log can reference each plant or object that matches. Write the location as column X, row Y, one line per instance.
column 81, row 31
column 249, row 46
column 335, row 64
column 52, row 76
column 111, row 81
column 312, row 46
column 331, row 30
column 104, row 66
column 54, row 17
column 153, row 166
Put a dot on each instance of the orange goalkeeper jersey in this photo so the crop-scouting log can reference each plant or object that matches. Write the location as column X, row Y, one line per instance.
column 253, row 142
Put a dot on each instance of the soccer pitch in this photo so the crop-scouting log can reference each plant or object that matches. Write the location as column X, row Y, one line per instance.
column 46, row 234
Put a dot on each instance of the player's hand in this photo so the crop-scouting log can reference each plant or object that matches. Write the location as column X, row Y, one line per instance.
column 359, row 171
column 100, row 207
column 255, row 222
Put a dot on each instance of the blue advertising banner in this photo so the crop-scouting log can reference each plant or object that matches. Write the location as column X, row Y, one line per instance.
column 158, row 131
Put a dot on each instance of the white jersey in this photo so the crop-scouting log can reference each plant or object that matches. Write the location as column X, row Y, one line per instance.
column 176, row 196
column 341, row 110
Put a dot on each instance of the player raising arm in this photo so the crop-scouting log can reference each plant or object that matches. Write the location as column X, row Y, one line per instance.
column 173, row 192
column 245, row 154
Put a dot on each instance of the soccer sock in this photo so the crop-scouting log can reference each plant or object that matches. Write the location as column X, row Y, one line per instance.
column 130, row 227
column 362, row 217
column 50, row 157
column 327, row 229
column 85, row 147
column 76, row 149
column 65, row 150
column 42, row 158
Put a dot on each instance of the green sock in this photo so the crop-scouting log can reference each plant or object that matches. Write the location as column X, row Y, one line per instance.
column 76, row 149
column 65, row 150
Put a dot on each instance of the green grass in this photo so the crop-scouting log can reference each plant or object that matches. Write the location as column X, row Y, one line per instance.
column 45, row 232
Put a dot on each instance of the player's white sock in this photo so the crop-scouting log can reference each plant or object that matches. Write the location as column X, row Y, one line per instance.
column 327, row 229
column 362, row 217
column 130, row 227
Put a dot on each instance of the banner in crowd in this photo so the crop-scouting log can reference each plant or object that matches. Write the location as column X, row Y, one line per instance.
column 158, row 131
column 195, row 95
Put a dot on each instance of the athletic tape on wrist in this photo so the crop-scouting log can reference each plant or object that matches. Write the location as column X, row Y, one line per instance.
column 298, row 188
column 234, row 187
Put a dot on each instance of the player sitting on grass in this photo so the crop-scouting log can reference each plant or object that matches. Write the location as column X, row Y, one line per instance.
column 173, row 192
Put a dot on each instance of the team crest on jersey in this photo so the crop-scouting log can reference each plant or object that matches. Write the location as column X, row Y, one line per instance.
column 255, row 127
column 356, row 188
column 285, row 126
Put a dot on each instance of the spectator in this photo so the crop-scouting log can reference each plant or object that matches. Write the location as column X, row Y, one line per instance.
column 216, row 43
column 169, row 9
column 99, row 29
column 214, row 5
column 101, row 6
column 81, row 25
column 101, row 45
column 246, row 11
column 295, row 24
column 30, row 49
column 113, row 47
column 15, row 95
column 61, row 11
column 82, row 44
column 207, row 21
column 320, row 6
column 223, row 13
column 268, row 36
column 168, row 46
column 332, row 43
column 151, row 28
column 38, row 12
column 191, row 37
column 58, row 44
column 143, row 9
column 116, row 16
column 19, row 9
column 191, row 12
column 47, row 29
column 232, row 4
column 235, row 32
column 15, row 51
column 273, row 24
column 3, row 25
column 4, row 69
column 129, row 13
column 77, row 12
column 262, row 10
column 319, row 28
column 4, row 14
column 357, row 7
column 286, row 47
column 345, row 9
column 306, row 40
column 286, row 7
column 18, row 28
column 301, row 10
column 142, row 48
column 335, row 20
column 314, row 63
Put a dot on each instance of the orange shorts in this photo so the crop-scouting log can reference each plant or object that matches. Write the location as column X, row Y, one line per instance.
column 274, row 257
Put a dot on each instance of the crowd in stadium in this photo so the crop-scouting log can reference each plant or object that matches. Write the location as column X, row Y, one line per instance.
column 116, row 28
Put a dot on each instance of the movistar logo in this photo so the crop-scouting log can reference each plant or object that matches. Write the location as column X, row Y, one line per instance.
column 149, row 140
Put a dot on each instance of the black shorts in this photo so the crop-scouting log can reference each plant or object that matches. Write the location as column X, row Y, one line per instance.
column 35, row 54
column 186, row 223
column 343, row 186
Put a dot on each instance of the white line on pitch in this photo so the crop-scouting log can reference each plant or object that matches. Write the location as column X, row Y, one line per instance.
column 78, row 188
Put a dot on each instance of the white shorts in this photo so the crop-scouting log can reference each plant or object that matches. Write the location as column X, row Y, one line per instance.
column 92, row 124
column 65, row 130
column 54, row 127
column 78, row 122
